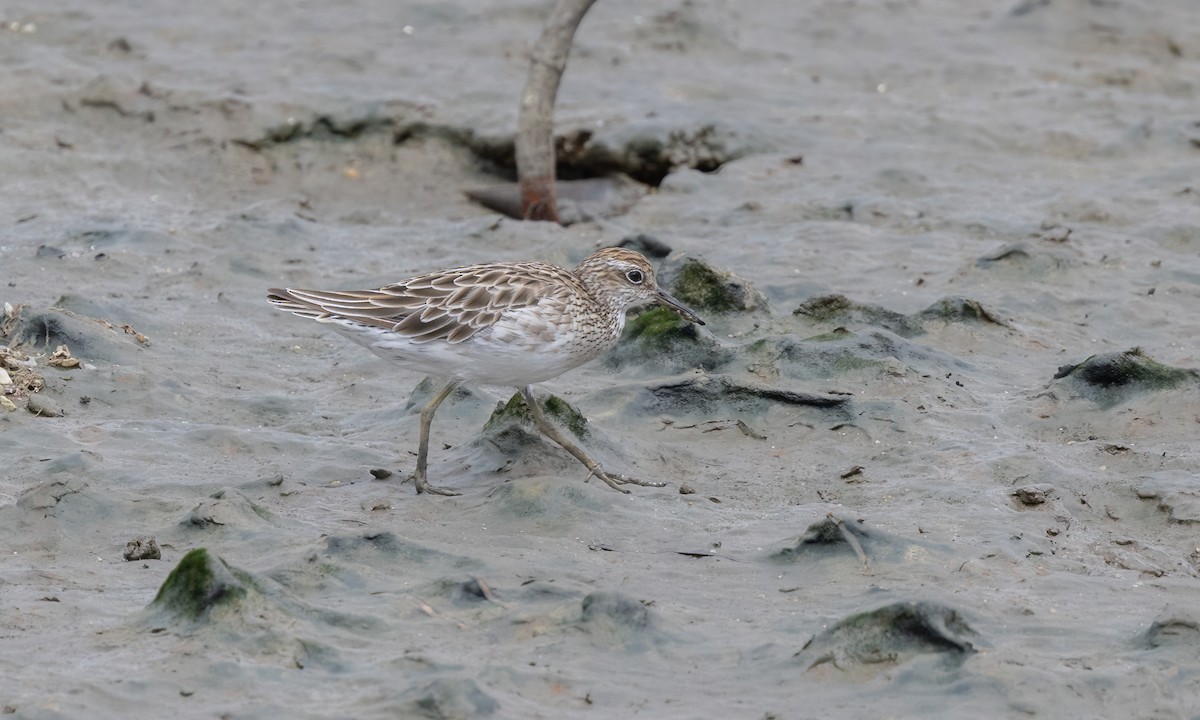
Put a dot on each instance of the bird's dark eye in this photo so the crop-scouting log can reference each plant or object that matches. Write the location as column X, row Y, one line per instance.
column 635, row 276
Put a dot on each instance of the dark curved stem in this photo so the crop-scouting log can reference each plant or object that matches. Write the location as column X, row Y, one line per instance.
column 535, row 120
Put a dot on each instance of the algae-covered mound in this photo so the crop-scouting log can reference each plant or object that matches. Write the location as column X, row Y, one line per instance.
column 1110, row 378
column 617, row 621
column 841, row 352
column 197, row 585
column 835, row 309
column 515, row 414
column 960, row 309
column 708, row 290
column 510, row 442
column 90, row 338
column 888, row 636
column 840, row 310
column 661, row 340
column 1175, row 627
column 447, row 698
column 661, row 329
column 256, row 616
column 833, row 538
column 664, row 342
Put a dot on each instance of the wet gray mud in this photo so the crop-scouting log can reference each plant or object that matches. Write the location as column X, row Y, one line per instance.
column 934, row 452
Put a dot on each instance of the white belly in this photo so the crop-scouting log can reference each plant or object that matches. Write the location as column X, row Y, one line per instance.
column 519, row 350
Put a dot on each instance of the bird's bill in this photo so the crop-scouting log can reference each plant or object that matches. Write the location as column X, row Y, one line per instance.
column 665, row 298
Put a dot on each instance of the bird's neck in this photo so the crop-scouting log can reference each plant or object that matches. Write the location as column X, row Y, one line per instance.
column 595, row 279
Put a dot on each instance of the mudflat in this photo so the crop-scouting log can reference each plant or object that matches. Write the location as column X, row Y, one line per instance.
column 934, row 453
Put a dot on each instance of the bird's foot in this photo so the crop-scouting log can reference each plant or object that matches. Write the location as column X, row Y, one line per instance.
column 423, row 486
column 615, row 481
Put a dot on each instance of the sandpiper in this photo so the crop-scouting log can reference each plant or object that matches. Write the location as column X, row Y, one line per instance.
column 497, row 324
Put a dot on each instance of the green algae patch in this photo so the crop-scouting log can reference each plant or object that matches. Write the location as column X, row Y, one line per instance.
column 848, row 362
column 199, row 583
column 659, row 329
column 706, row 289
column 661, row 341
column 566, row 415
column 515, row 411
column 757, row 346
column 842, row 310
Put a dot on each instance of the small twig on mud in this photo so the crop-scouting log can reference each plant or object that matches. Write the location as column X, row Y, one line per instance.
column 428, row 610
column 488, row 594
column 851, row 540
column 535, row 119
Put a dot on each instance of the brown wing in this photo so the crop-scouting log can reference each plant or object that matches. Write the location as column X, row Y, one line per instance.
column 450, row 305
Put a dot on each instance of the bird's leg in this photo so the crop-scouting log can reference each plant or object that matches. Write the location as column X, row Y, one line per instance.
column 551, row 431
column 427, row 412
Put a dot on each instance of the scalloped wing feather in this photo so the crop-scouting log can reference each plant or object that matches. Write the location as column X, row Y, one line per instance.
column 452, row 305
